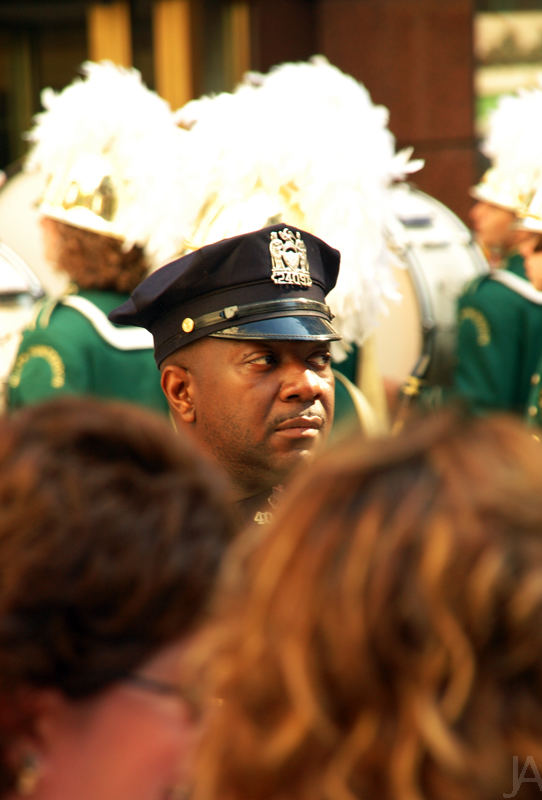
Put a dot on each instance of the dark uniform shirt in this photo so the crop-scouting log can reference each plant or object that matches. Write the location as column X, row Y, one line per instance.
column 259, row 508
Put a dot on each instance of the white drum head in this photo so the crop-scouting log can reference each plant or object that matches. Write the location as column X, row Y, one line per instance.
column 20, row 227
column 437, row 258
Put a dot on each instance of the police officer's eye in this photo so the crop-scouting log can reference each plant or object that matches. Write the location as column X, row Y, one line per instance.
column 262, row 358
column 321, row 359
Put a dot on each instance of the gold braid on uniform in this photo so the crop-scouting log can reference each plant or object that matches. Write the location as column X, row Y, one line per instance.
column 48, row 354
column 483, row 335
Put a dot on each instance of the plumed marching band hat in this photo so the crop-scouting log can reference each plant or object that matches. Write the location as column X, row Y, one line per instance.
column 500, row 188
column 108, row 150
column 514, row 147
column 266, row 284
column 530, row 218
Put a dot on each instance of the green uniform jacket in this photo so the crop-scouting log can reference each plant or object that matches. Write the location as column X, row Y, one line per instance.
column 499, row 340
column 76, row 350
column 533, row 409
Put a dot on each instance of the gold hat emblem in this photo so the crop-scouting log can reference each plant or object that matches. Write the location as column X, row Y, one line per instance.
column 90, row 185
column 289, row 258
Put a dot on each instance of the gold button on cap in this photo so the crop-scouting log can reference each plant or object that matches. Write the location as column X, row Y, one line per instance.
column 188, row 325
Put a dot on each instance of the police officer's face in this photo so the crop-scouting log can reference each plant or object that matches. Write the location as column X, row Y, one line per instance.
column 259, row 407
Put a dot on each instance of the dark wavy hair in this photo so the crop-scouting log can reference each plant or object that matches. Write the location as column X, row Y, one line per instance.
column 384, row 638
column 94, row 260
column 112, row 529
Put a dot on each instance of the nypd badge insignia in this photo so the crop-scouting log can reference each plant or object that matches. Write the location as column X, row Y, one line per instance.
column 289, row 258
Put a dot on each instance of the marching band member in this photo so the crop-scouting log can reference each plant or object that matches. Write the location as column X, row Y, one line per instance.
column 499, row 314
column 531, row 250
column 106, row 148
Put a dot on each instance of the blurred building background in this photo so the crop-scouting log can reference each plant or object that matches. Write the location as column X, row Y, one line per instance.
column 437, row 65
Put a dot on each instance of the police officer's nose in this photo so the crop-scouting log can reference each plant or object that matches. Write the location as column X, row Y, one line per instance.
column 301, row 383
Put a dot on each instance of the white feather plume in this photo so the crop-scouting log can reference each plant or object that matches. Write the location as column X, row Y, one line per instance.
column 514, row 146
column 303, row 144
column 109, row 113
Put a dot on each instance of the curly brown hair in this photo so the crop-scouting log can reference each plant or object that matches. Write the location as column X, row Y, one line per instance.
column 384, row 639
column 112, row 529
column 93, row 260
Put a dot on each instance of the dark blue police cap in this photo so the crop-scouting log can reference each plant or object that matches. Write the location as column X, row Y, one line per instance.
column 267, row 284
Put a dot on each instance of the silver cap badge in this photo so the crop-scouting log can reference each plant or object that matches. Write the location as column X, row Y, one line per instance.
column 289, row 258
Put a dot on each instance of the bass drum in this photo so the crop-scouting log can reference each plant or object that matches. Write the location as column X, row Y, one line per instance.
column 24, row 273
column 19, row 290
column 437, row 257
column 20, row 227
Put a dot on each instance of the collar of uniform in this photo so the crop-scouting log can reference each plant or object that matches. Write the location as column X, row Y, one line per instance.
column 259, row 508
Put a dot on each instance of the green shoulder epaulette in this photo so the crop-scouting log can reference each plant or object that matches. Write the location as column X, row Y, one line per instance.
column 127, row 338
column 42, row 313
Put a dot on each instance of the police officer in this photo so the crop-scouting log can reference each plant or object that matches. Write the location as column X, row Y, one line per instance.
column 241, row 336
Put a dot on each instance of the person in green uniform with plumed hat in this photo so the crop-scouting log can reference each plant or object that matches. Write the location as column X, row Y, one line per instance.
column 531, row 248
column 499, row 315
column 106, row 147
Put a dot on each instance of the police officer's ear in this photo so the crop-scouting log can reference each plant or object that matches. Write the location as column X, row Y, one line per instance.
column 177, row 385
